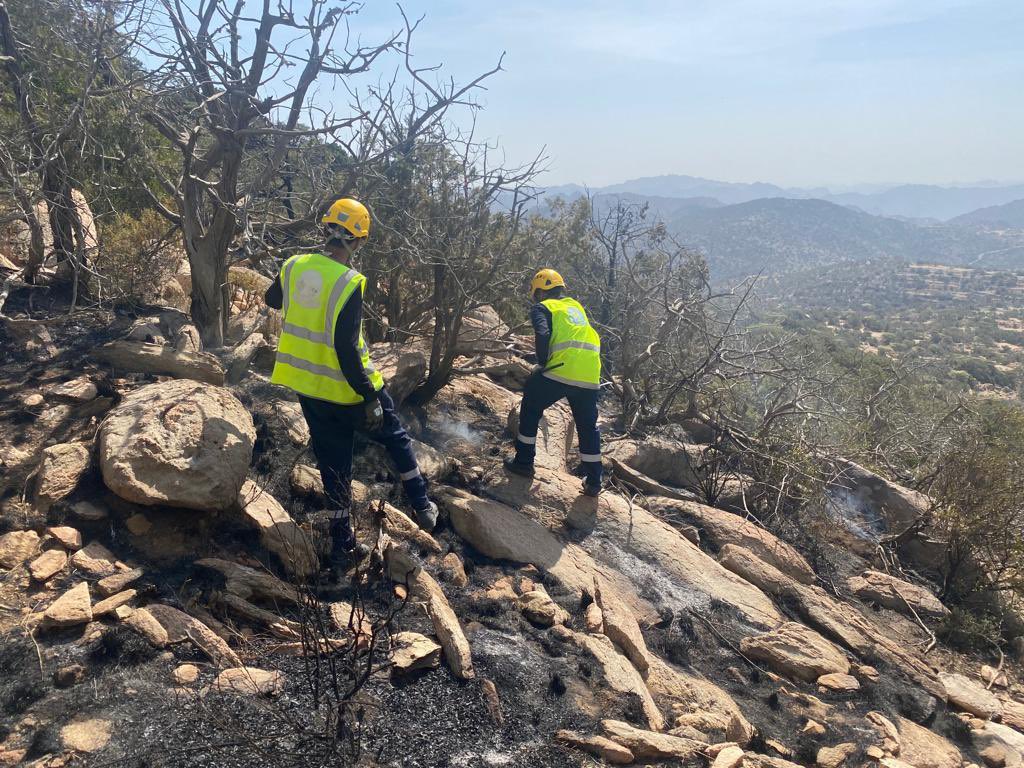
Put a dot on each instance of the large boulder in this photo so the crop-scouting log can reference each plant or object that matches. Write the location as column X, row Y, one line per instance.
column 796, row 651
column 923, row 748
column 660, row 458
column 1006, row 739
column 403, row 366
column 871, row 508
column 481, row 332
column 180, row 443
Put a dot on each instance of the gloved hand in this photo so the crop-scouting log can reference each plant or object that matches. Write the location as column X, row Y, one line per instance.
column 537, row 370
column 374, row 419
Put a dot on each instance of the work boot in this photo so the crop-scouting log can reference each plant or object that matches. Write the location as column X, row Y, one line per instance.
column 427, row 517
column 346, row 551
column 519, row 468
column 591, row 489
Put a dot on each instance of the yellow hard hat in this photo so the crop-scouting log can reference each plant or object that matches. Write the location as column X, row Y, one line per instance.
column 349, row 214
column 545, row 280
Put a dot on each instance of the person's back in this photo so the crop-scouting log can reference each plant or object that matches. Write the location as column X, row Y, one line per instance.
column 568, row 353
column 317, row 289
column 323, row 358
column 574, row 350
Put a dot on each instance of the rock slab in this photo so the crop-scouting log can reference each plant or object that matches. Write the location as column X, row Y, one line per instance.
column 969, row 696
column 599, row 746
column 796, row 651
column 896, row 594
column 72, row 608
column 60, row 469
column 279, row 533
column 648, row 745
column 16, row 547
column 412, row 651
column 249, row 681
column 48, row 564
column 723, row 528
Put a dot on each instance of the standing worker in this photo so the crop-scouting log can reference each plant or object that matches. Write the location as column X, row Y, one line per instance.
column 322, row 356
column 569, row 365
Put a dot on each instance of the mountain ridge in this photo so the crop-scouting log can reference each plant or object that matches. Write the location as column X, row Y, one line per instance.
column 919, row 201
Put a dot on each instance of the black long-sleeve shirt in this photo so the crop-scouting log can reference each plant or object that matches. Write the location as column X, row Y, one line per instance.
column 346, row 337
column 540, row 318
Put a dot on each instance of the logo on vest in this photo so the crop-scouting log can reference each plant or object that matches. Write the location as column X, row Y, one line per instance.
column 309, row 288
column 575, row 316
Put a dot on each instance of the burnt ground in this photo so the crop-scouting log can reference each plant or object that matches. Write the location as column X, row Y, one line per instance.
column 428, row 720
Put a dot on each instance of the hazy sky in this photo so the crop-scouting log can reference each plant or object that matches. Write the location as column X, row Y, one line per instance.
column 797, row 92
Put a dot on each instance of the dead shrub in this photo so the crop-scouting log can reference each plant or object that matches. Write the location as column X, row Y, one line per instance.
column 136, row 257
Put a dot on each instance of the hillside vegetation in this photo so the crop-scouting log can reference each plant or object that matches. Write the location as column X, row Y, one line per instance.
column 809, row 551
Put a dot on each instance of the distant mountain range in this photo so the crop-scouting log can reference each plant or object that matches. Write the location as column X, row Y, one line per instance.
column 919, row 201
column 1007, row 216
column 747, row 229
column 780, row 235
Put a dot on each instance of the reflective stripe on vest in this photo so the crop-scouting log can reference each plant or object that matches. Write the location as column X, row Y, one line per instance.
column 574, row 356
column 315, row 289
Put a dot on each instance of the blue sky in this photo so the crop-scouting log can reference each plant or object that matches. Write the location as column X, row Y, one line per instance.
column 796, row 92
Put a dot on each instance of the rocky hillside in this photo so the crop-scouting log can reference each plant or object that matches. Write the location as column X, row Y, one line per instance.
column 1007, row 216
column 161, row 605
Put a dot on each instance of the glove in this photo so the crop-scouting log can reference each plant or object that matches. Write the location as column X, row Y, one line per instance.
column 537, row 370
column 374, row 418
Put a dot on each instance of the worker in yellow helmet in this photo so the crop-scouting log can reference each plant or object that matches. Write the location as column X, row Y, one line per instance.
column 569, row 366
column 322, row 357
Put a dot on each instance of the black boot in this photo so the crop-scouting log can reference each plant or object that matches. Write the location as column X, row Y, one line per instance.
column 519, row 468
column 346, row 551
column 426, row 518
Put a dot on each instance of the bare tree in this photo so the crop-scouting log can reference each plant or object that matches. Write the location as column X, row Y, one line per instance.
column 236, row 96
column 448, row 222
column 54, row 126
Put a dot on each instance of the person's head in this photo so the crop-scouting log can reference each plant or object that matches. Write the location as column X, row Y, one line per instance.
column 346, row 227
column 546, row 284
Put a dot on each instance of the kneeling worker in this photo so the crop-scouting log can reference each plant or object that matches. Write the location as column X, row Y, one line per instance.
column 322, row 356
column 569, row 356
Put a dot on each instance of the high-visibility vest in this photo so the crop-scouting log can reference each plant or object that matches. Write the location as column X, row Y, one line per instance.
column 574, row 354
column 315, row 290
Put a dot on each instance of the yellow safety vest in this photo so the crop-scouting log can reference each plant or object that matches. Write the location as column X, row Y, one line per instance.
column 574, row 356
column 315, row 289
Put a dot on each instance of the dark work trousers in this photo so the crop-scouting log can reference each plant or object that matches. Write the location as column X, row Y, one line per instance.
column 541, row 393
column 332, row 429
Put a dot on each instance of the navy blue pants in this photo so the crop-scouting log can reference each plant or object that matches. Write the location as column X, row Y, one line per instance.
column 540, row 394
column 332, row 429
